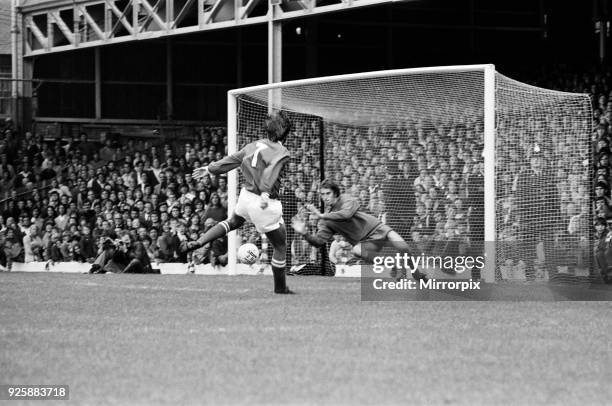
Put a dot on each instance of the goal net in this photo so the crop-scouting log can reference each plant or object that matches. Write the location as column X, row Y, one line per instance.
column 456, row 163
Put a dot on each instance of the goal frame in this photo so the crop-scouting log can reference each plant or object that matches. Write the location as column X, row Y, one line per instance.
column 488, row 273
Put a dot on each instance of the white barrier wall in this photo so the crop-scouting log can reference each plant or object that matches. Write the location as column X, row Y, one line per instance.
column 346, row 271
column 165, row 268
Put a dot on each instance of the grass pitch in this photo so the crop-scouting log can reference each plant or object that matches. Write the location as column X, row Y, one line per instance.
column 187, row 340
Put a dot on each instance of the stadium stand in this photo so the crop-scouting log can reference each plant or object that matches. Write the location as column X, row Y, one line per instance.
column 60, row 199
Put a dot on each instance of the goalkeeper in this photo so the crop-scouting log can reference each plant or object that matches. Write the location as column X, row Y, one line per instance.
column 366, row 233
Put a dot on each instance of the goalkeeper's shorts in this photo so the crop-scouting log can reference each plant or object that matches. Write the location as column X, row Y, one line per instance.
column 379, row 233
column 264, row 220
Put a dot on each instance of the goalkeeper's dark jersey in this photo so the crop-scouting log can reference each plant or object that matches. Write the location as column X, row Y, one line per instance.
column 261, row 163
column 346, row 219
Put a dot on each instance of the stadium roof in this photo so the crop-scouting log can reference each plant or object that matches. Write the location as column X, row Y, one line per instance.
column 43, row 19
column 26, row 3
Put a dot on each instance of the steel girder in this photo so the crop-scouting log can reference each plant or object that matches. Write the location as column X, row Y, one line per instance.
column 64, row 25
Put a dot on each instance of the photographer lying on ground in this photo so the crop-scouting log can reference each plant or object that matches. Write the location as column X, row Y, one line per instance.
column 121, row 256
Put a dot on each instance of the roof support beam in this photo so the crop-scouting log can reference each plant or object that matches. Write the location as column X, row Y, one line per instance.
column 57, row 19
column 120, row 17
column 182, row 14
column 152, row 14
column 202, row 15
column 92, row 23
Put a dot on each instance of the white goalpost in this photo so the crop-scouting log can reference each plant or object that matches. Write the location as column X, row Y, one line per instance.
column 458, row 159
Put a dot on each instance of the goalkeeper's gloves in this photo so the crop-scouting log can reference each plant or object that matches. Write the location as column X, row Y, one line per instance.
column 265, row 198
column 298, row 225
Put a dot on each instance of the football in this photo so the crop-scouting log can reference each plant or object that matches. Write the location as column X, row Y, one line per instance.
column 248, row 253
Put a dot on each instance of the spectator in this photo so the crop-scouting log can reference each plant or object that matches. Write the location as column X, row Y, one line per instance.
column 603, row 249
column 3, row 253
column 13, row 248
column 340, row 251
column 87, row 245
column 32, row 245
column 122, row 256
column 107, row 153
column 215, row 210
column 168, row 244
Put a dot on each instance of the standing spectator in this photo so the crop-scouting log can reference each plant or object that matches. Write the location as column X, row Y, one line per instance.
column 603, row 250
column 536, row 188
column 400, row 198
column 107, row 153
column 85, row 147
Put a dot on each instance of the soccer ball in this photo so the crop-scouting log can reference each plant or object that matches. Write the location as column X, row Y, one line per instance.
column 248, row 253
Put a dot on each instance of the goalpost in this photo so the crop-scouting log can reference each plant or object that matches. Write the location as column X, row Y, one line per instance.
column 458, row 160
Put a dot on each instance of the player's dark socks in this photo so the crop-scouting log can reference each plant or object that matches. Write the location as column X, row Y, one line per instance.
column 280, row 284
column 217, row 231
column 418, row 275
column 287, row 291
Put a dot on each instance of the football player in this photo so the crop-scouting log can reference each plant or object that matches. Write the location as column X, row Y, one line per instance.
column 261, row 163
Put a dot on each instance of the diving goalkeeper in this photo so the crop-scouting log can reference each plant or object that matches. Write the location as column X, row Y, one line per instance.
column 366, row 233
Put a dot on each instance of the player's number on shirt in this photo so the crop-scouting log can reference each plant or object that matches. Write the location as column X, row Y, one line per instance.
column 260, row 147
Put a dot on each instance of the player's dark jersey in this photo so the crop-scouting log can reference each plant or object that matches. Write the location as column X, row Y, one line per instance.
column 346, row 219
column 261, row 163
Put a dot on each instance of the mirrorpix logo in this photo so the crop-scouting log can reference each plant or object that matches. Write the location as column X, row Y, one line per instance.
column 457, row 264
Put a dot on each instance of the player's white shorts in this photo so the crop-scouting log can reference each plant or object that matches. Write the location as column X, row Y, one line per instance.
column 268, row 219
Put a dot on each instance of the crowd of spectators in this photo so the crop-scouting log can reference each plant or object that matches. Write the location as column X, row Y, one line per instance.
column 65, row 198
column 599, row 86
column 424, row 178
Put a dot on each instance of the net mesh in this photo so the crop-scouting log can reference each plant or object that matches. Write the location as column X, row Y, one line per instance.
column 410, row 148
column 543, row 176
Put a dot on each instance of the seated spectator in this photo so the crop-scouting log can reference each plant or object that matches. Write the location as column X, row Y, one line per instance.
column 32, row 245
column 87, row 245
column 66, row 246
column 52, row 248
column 215, row 210
column 168, row 244
column 3, row 253
column 602, row 208
column 62, row 218
column 218, row 248
column 13, row 247
column 340, row 251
